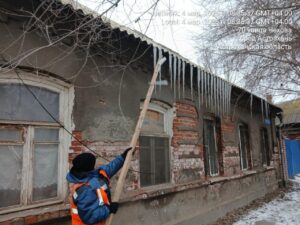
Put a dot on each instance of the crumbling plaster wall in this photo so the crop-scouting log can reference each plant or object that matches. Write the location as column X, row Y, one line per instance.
column 197, row 205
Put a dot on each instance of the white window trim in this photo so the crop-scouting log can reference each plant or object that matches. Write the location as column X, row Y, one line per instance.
column 168, row 114
column 66, row 102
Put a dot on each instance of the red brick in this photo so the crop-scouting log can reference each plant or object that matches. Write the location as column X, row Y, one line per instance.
column 6, row 222
column 76, row 148
column 77, row 134
column 31, row 219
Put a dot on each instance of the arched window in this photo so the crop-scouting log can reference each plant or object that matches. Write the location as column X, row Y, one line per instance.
column 154, row 145
column 33, row 146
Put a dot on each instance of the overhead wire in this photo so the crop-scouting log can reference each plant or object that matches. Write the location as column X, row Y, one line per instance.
column 63, row 127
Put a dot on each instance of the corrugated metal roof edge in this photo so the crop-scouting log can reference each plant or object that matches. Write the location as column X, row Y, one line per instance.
column 88, row 11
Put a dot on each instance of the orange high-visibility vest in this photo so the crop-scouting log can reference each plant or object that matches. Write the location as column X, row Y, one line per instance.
column 102, row 196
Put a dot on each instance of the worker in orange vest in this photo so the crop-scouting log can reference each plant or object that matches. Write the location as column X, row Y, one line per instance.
column 90, row 193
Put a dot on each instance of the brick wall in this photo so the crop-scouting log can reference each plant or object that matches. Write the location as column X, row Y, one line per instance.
column 231, row 156
column 231, row 160
column 76, row 146
column 40, row 218
column 187, row 151
column 109, row 150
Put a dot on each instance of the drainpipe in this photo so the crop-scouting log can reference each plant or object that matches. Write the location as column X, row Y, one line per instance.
column 279, row 136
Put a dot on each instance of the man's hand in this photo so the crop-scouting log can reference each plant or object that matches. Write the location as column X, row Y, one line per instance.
column 113, row 207
column 124, row 154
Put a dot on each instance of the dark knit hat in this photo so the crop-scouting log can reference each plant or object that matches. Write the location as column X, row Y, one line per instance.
column 84, row 162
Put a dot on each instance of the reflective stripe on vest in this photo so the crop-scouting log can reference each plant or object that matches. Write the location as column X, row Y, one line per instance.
column 74, row 211
column 102, row 196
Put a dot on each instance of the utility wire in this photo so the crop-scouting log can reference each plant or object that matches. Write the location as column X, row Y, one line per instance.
column 62, row 126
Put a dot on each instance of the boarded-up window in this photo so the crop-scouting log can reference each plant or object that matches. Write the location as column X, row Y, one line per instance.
column 153, row 122
column 154, row 160
column 264, row 143
column 210, row 147
column 244, row 146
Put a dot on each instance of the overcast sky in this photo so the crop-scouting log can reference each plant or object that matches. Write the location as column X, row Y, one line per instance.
column 173, row 24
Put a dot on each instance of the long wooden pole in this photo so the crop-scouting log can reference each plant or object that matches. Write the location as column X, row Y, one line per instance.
column 121, row 180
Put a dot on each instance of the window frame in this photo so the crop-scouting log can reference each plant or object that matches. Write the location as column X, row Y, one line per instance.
column 168, row 114
column 247, row 146
column 66, row 101
column 213, row 119
column 167, row 168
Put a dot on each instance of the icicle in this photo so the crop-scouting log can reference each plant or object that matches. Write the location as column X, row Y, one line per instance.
column 229, row 99
column 202, row 86
column 154, row 62
column 154, row 56
column 251, row 104
column 170, row 69
column 222, row 97
column 183, row 79
column 214, row 94
column 191, row 80
column 266, row 109
column 174, row 77
column 262, row 109
column 198, row 85
column 225, row 97
column 206, row 90
column 179, row 72
column 174, row 71
column 218, row 95
column 160, row 57
column 211, row 92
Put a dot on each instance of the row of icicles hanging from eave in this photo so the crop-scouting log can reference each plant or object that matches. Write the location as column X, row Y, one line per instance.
column 213, row 93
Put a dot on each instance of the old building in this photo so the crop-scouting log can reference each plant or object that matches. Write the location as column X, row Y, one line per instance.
column 290, row 130
column 69, row 79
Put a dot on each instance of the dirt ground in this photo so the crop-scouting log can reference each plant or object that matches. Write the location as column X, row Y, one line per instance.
column 235, row 215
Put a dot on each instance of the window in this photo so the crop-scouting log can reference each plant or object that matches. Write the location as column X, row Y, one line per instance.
column 154, row 160
column 154, row 145
column 211, row 146
column 264, row 143
column 33, row 147
column 244, row 146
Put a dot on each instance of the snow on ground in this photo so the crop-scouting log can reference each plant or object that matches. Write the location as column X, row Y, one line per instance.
column 284, row 211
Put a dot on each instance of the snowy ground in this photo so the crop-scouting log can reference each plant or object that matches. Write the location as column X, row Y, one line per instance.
column 285, row 211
